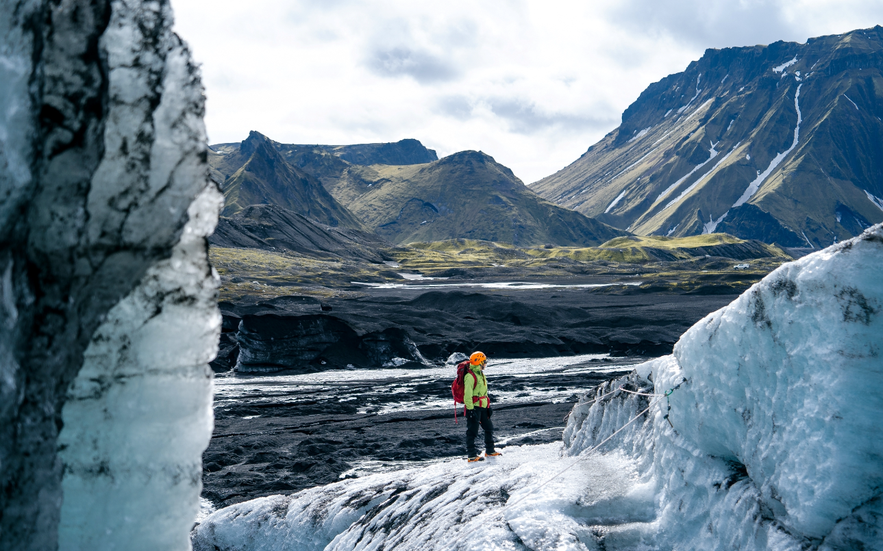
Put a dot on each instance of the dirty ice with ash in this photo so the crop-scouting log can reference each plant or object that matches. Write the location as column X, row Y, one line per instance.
column 773, row 443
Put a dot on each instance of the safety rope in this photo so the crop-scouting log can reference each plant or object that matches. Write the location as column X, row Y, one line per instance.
column 641, row 393
column 585, row 455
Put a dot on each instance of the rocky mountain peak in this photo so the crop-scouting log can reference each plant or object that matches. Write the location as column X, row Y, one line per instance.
column 777, row 143
column 254, row 140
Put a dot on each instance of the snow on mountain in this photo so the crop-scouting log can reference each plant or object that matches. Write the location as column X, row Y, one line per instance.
column 759, row 432
column 773, row 187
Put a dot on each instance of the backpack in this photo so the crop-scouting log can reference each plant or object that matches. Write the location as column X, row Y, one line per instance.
column 459, row 384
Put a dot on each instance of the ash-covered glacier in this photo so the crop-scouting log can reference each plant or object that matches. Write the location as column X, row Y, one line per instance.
column 759, row 432
column 108, row 312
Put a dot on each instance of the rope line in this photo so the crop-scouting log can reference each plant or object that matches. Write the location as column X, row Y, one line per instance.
column 586, row 455
column 583, row 455
column 643, row 393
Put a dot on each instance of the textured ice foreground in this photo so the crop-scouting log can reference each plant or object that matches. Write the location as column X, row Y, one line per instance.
column 773, row 444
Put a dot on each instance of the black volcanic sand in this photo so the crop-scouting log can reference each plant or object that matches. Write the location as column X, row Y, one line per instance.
column 620, row 320
column 303, row 439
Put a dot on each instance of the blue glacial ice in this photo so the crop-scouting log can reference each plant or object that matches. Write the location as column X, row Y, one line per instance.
column 769, row 440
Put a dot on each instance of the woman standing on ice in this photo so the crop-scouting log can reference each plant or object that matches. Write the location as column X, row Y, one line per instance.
column 478, row 408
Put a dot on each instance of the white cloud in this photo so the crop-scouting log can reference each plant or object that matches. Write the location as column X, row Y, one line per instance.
column 533, row 84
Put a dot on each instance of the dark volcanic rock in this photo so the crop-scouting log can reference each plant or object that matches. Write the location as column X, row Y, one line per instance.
column 291, row 333
column 271, row 342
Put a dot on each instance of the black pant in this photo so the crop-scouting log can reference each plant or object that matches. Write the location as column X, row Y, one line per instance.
column 481, row 416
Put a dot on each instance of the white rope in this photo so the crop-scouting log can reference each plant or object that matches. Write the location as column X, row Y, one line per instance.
column 583, row 456
column 642, row 393
column 614, row 391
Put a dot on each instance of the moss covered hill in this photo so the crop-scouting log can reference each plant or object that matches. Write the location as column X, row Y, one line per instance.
column 254, row 172
column 781, row 143
column 465, row 195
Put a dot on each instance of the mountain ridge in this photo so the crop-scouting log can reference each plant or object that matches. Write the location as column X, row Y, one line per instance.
column 464, row 195
column 257, row 174
column 778, row 142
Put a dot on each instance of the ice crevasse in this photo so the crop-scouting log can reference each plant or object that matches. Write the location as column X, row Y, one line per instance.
column 769, row 440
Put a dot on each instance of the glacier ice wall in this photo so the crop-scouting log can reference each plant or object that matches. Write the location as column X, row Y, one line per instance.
column 104, row 205
column 772, row 442
column 767, row 439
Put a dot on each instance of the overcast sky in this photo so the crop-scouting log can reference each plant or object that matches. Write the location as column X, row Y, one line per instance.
column 533, row 83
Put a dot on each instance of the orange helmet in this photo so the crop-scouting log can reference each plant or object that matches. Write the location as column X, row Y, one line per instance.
column 477, row 358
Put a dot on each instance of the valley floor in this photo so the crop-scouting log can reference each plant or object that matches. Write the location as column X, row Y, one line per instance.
column 283, row 433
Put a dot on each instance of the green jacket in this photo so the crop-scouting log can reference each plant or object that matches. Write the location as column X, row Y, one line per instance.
column 475, row 386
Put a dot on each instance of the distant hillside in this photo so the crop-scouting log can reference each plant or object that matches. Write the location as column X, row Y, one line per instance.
column 256, row 173
column 780, row 143
column 465, row 195
column 404, row 152
column 269, row 227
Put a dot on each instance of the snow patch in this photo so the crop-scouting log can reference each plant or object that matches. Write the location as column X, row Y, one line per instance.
column 808, row 242
column 698, row 180
column 615, row 201
column 640, row 134
column 711, row 225
column 852, row 102
column 626, row 169
column 785, row 65
column 755, row 185
column 696, row 95
column 876, row 200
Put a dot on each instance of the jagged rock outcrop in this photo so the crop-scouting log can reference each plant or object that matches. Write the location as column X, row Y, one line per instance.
column 779, row 143
column 104, row 209
column 256, row 173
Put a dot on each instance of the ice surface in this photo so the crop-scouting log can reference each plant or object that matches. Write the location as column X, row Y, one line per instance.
column 761, row 433
column 138, row 415
column 275, row 388
column 15, row 108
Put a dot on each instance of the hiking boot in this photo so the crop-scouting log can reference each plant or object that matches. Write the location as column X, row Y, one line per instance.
column 474, row 459
column 493, row 454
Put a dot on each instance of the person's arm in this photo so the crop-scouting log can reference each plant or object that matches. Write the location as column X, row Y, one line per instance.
column 468, row 390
